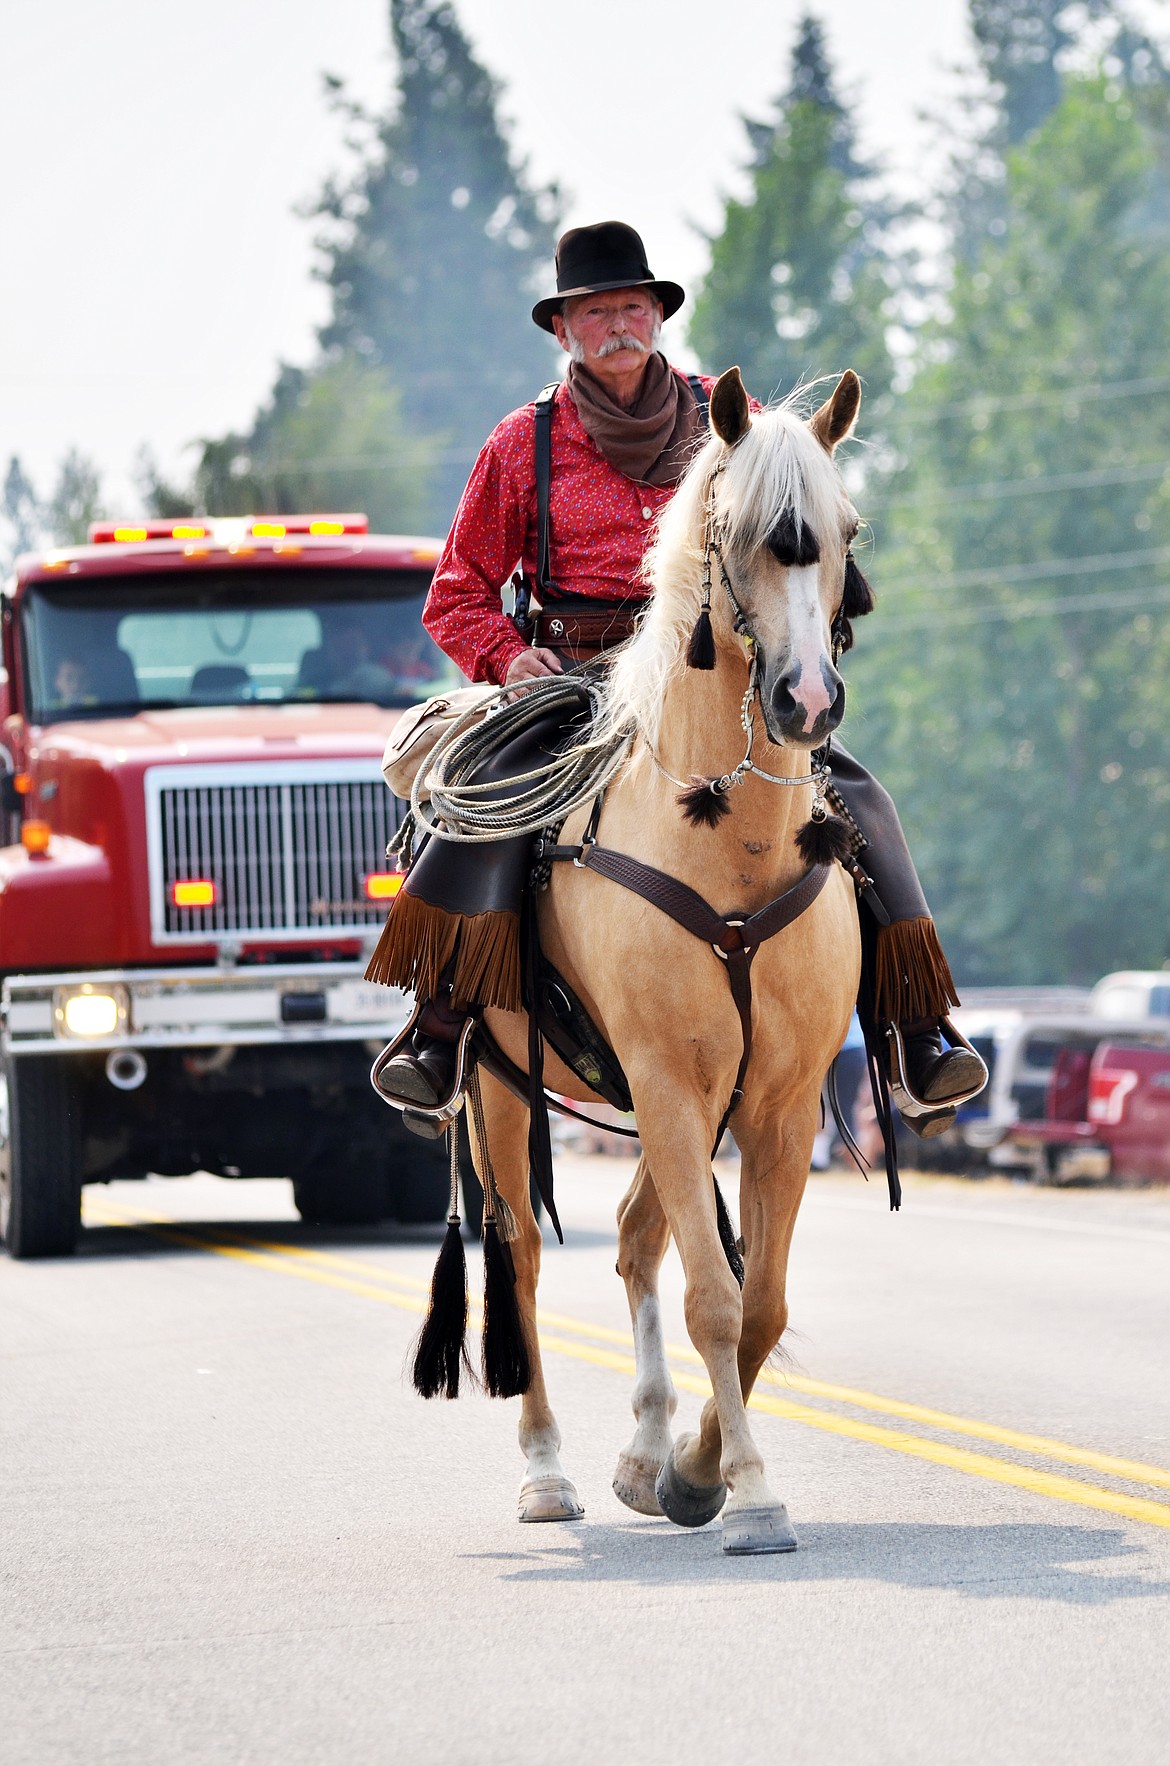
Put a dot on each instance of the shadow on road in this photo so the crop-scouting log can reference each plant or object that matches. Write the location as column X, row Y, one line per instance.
column 1041, row 1561
column 147, row 1240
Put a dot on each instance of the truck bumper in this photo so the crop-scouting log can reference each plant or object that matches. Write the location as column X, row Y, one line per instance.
column 284, row 1003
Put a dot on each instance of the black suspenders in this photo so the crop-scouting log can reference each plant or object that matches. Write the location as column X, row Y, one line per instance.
column 542, row 442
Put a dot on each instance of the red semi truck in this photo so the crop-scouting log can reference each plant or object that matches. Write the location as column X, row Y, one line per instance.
column 193, row 826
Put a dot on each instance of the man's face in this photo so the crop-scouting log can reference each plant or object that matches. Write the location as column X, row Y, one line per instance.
column 618, row 328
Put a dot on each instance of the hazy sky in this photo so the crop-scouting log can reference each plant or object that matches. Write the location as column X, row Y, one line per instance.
column 153, row 268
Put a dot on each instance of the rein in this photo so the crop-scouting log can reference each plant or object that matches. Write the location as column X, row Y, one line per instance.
column 719, row 786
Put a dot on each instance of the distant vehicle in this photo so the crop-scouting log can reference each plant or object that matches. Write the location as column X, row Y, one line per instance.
column 1107, row 1114
column 1022, row 1050
column 193, row 867
column 1132, row 993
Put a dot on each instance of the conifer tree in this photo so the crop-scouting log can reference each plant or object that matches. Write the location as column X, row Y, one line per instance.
column 800, row 280
column 437, row 244
column 430, row 252
column 1010, row 689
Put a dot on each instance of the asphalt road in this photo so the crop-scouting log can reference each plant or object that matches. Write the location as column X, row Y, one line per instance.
column 231, row 1534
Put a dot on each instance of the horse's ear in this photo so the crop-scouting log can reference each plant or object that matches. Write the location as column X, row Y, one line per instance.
column 730, row 413
column 836, row 417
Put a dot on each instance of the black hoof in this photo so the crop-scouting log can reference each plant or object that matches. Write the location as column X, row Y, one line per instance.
column 686, row 1504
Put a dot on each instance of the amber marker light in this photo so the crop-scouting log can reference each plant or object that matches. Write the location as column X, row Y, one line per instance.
column 384, row 885
column 22, row 784
column 35, row 837
column 194, row 892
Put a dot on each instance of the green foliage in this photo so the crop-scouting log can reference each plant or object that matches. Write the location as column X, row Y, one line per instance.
column 21, row 511
column 800, row 279
column 61, row 520
column 1011, row 687
column 429, row 253
column 436, row 245
column 75, row 502
column 1023, row 46
column 331, row 439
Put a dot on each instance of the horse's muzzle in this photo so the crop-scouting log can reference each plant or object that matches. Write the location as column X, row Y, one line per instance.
column 803, row 712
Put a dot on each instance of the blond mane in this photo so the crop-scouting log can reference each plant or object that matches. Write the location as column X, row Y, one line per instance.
column 778, row 466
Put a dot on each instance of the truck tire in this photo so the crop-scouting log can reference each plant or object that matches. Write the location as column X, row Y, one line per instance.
column 333, row 1192
column 40, row 1172
column 420, row 1182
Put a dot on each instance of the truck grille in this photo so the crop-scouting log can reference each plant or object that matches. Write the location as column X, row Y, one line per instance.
column 288, row 855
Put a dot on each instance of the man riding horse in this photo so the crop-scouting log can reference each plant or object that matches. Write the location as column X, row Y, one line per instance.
column 618, row 436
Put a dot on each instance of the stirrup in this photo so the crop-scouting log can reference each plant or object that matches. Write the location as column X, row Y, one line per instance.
column 442, row 1115
column 928, row 1117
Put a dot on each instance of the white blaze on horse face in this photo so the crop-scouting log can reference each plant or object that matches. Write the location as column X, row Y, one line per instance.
column 807, row 640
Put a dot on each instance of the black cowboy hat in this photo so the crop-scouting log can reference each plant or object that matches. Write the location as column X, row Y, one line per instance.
column 606, row 255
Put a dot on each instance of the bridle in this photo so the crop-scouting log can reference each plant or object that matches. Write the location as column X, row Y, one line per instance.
column 713, row 537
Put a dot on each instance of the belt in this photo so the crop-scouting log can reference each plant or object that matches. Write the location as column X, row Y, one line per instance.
column 585, row 625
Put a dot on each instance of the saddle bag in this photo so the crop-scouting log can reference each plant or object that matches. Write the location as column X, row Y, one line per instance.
column 417, row 732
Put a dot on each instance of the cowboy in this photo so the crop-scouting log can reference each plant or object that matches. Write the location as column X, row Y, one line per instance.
column 623, row 427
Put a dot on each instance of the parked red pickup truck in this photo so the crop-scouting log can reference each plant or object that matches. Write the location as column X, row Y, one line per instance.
column 193, row 826
column 1107, row 1114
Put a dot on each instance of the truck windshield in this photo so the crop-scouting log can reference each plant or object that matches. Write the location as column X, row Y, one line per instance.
column 115, row 644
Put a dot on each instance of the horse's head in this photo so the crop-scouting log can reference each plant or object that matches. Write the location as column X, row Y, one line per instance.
column 783, row 522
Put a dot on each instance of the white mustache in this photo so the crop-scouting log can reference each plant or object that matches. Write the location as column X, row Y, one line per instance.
column 613, row 344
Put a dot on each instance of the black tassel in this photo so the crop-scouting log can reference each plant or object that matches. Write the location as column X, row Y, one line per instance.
column 702, row 807
column 701, row 649
column 506, row 1371
column 819, row 843
column 727, row 1236
column 441, row 1347
column 858, row 598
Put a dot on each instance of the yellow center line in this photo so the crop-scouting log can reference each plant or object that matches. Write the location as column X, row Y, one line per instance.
column 330, row 1269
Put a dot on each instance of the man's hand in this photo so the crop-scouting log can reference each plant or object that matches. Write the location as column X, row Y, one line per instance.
column 530, row 665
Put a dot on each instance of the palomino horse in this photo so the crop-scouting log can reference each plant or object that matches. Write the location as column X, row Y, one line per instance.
column 765, row 491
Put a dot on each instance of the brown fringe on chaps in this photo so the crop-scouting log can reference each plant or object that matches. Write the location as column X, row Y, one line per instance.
column 911, row 974
column 418, row 941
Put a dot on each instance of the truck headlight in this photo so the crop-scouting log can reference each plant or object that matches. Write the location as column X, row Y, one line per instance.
column 90, row 1010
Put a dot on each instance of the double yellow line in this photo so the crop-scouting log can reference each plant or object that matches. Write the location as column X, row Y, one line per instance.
column 605, row 1347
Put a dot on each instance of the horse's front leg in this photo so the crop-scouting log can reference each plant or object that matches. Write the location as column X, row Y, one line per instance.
column 776, row 1149
column 643, row 1235
column 545, row 1494
column 721, row 1464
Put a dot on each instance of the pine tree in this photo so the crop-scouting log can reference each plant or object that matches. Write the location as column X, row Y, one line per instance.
column 22, row 511
column 436, row 245
column 76, row 500
column 430, row 251
column 800, row 279
column 1022, row 48
column 329, row 439
column 1011, row 686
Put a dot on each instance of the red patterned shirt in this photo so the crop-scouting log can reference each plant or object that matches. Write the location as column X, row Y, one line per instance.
column 599, row 522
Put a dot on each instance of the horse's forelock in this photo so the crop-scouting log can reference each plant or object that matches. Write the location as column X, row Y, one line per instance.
column 778, row 469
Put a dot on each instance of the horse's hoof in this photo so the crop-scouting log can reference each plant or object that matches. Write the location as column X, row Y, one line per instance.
column 633, row 1484
column 686, row 1504
column 549, row 1499
column 758, row 1529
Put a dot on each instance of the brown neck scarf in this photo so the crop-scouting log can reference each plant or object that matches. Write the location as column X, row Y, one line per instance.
column 654, row 439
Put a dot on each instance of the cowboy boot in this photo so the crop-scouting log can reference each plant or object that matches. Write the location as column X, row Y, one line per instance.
column 928, row 1079
column 426, row 1070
